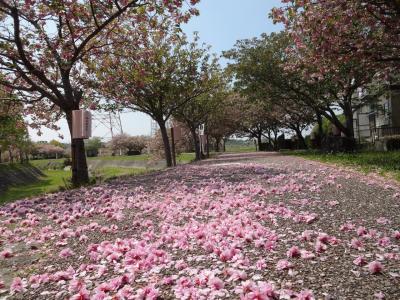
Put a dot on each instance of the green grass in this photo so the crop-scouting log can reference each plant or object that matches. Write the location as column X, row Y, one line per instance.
column 107, row 173
column 55, row 178
column 384, row 163
column 142, row 157
column 46, row 164
column 52, row 181
column 240, row 148
column 185, row 158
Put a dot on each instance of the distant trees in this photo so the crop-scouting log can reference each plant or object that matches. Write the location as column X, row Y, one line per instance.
column 223, row 121
column 93, row 146
column 265, row 69
column 270, row 98
column 169, row 73
column 199, row 110
column 128, row 144
column 14, row 138
column 47, row 150
column 339, row 47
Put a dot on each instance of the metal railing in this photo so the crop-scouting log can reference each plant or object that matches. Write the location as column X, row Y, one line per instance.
column 382, row 132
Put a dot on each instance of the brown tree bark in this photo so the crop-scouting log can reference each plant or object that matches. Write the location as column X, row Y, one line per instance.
column 217, row 144
column 259, row 141
column 348, row 113
column 196, row 143
column 167, row 146
column 80, row 174
column 11, row 156
column 301, row 138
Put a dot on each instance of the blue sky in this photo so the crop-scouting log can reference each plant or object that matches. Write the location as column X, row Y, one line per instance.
column 220, row 24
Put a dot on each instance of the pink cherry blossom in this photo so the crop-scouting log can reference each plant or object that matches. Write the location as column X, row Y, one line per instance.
column 65, row 253
column 216, row 283
column 83, row 294
column 360, row 261
column 293, row 252
column 17, row 285
column 283, row 264
column 375, row 267
column 305, row 295
column 6, row 254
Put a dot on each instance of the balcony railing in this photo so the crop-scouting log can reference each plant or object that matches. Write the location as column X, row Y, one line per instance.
column 382, row 132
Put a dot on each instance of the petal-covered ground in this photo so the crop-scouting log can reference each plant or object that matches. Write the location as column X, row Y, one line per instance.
column 254, row 226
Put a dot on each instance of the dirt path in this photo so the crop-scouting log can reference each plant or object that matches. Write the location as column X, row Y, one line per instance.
column 250, row 226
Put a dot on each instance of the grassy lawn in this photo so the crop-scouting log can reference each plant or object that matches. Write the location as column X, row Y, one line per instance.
column 50, row 182
column 185, row 158
column 142, row 157
column 240, row 149
column 384, row 163
column 45, row 164
column 107, row 173
column 55, row 178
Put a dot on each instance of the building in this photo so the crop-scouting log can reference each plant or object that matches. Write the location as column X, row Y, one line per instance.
column 379, row 120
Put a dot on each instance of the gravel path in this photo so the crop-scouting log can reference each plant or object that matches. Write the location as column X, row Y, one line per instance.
column 241, row 226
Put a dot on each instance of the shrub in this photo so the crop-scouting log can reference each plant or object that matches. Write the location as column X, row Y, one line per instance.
column 393, row 143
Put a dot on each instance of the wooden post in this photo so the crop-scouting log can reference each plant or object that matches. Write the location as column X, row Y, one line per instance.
column 173, row 147
column 208, row 146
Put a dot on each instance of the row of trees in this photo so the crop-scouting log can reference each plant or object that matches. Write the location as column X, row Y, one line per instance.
column 131, row 54
column 121, row 55
column 14, row 138
column 46, row 49
column 332, row 58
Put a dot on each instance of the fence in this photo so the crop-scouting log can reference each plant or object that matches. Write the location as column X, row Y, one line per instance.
column 382, row 132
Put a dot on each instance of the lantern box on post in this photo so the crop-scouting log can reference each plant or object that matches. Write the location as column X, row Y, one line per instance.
column 177, row 133
column 81, row 124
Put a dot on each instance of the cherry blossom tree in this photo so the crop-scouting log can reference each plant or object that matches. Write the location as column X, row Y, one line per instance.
column 158, row 79
column 197, row 111
column 344, row 30
column 43, row 45
column 269, row 68
column 224, row 120
column 126, row 142
column 13, row 130
column 256, row 120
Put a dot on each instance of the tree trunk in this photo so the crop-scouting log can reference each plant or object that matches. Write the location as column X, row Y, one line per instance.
column 301, row 138
column 196, row 143
column 271, row 144
column 11, row 158
column 348, row 114
column 80, row 174
column 259, row 141
column 320, row 130
column 224, row 144
column 0, row 157
column 21, row 157
column 208, row 146
column 335, row 121
column 275, row 140
column 217, row 144
column 167, row 146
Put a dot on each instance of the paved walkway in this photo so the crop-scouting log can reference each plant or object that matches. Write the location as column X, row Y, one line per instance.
column 249, row 226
